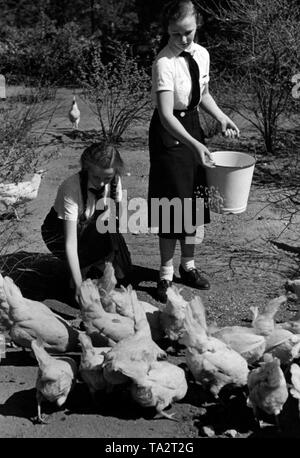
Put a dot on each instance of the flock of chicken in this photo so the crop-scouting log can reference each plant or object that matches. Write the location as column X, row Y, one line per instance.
column 119, row 346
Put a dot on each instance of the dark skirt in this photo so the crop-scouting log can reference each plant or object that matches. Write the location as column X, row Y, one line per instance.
column 92, row 245
column 176, row 174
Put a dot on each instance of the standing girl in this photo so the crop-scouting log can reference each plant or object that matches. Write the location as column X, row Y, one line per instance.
column 178, row 156
column 69, row 229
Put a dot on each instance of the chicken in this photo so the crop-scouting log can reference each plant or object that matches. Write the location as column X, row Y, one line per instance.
column 263, row 322
column 106, row 285
column 108, row 280
column 283, row 345
column 135, row 353
column 5, row 321
column 212, row 363
column 122, row 301
column 91, row 362
column 295, row 383
column 14, row 194
column 104, row 328
column 163, row 384
column 172, row 314
column 55, row 379
column 74, row 114
column 31, row 319
column 243, row 340
column 267, row 388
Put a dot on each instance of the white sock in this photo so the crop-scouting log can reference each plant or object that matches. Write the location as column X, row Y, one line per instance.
column 187, row 263
column 166, row 273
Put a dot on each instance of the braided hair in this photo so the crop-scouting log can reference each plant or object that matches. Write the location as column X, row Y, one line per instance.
column 103, row 154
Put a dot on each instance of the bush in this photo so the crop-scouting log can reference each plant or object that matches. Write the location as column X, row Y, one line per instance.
column 19, row 152
column 118, row 92
column 261, row 49
column 55, row 60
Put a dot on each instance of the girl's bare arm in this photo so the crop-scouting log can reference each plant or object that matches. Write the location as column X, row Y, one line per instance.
column 71, row 247
column 228, row 127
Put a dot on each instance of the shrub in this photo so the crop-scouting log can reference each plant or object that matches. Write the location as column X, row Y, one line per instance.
column 55, row 59
column 117, row 92
column 261, row 44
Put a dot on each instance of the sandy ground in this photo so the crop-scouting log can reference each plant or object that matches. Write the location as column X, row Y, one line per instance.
column 236, row 255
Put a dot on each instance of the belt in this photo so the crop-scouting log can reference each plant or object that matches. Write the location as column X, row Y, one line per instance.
column 183, row 113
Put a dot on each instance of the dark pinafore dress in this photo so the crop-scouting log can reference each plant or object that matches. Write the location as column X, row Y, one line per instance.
column 176, row 172
column 92, row 245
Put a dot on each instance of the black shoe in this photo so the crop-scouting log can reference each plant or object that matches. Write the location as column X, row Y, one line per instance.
column 193, row 278
column 161, row 291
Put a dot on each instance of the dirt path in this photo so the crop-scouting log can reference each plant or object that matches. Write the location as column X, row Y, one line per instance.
column 244, row 270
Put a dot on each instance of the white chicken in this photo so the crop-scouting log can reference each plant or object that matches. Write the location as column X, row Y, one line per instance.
column 74, row 114
column 134, row 353
column 15, row 194
column 5, row 321
column 28, row 320
column 212, row 363
column 283, row 345
column 108, row 280
column 263, row 322
column 106, row 285
column 267, row 388
column 173, row 314
column 243, row 340
column 105, row 329
column 163, row 384
column 55, row 379
column 122, row 301
column 91, row 362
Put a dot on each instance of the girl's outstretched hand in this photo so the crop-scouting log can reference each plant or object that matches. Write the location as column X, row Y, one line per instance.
column 205, row 156
column 77, row 295
column 229, row 128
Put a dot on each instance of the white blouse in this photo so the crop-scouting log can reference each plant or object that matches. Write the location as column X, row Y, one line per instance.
column 69, row 203
column 170, row 72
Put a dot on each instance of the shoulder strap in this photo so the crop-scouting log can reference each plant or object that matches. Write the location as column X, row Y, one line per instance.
column 113, row 187
column 83, row 178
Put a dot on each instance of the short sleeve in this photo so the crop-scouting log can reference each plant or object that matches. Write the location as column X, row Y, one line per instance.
column 68, row 199
column 163, row 75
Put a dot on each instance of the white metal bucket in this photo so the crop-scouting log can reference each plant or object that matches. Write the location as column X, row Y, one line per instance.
column 230, row 181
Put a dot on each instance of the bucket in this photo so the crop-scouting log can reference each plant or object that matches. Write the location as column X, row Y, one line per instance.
column 230, row 181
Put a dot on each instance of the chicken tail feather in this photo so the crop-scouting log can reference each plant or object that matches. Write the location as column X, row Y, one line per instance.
column 198, row 311
column 272, row 306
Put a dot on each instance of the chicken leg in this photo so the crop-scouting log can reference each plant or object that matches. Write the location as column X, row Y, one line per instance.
column 39, row 419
